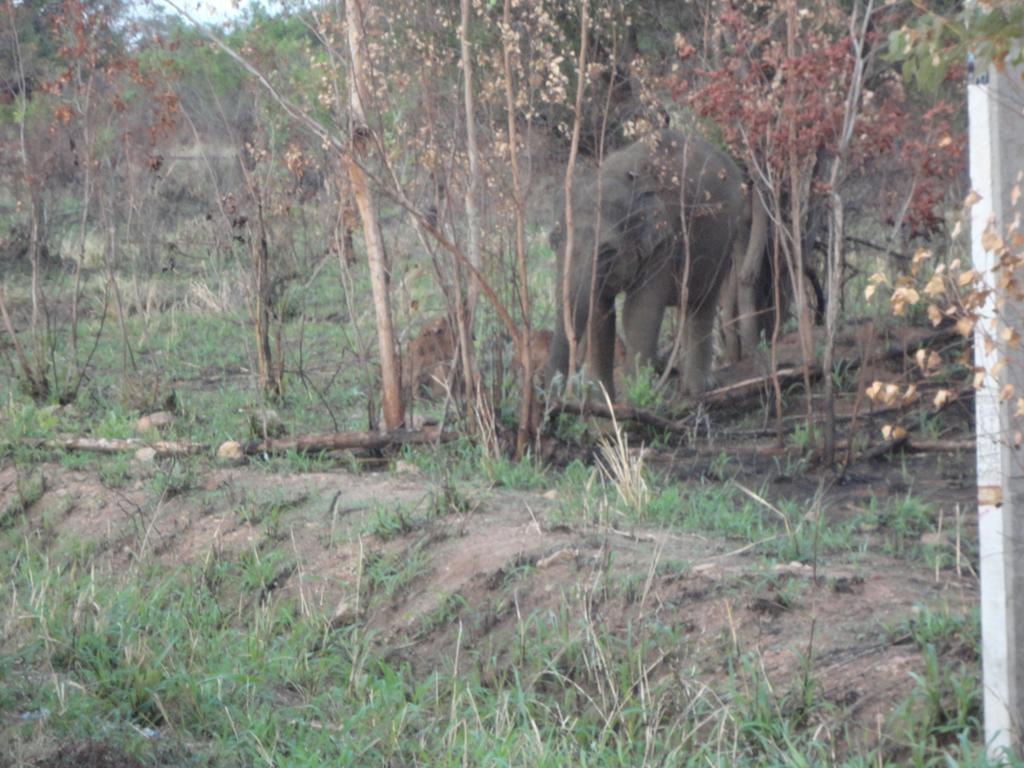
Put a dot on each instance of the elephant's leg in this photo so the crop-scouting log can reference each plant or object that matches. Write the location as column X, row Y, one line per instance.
column 558, row 360
column 641, row 319
column 730, row 317
column 601, row 355
column 700, row 326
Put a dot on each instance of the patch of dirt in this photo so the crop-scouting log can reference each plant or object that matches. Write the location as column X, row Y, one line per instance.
column 89, row 754
column 479, row 580
column 465, row 580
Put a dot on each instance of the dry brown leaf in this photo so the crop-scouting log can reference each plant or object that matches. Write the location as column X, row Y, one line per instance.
column 936, row 286
column 903, row 297
column 990, row 239
column 967, row 278
column 910, row 396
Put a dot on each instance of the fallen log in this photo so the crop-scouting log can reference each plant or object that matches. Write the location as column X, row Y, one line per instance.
column 908, row 444
column 162, row 448
column 941, row 446
column 347, row 441
column 727, row 395
column 329, row 441
column 741, row 390
column 621, row 413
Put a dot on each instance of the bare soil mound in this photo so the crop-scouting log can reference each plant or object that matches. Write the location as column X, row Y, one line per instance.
column 442, row 577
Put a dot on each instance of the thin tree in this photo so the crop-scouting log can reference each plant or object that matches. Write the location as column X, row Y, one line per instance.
column 570, row 169
column 798, row 191
column 836, row 258
column 391, row 389
column 34, row 368
column 524, row 433
column 466, row 311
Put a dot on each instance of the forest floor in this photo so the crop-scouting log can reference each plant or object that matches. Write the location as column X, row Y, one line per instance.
column 732, row 603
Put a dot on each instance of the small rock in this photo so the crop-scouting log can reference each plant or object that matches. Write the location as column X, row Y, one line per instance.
column 145, row 455
column 552, row 494
column 794, row 569
column 231, row 452
column 159, row 420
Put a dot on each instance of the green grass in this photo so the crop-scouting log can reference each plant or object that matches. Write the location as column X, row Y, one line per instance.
column 900, row 523
column 201, row 356
column 230, row 671
column 388, row 521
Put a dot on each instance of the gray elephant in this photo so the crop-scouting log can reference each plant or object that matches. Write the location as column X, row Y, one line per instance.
column 670, row 205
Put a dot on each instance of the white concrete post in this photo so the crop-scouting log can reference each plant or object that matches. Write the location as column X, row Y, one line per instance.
column 996, row 116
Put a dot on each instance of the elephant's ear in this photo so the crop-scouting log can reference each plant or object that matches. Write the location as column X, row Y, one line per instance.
column 656, row 229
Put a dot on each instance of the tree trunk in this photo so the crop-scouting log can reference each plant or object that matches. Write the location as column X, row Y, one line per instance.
column 465, row 322
column 837, row 236
column 34, row 370
column 524, row 433
column 796, row 197
column 359, row 132
column 269, row 382
column 564, row 299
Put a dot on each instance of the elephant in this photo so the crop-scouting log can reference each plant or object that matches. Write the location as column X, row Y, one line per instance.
column 671, row 205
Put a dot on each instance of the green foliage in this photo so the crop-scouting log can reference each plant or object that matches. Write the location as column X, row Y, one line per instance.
column 944, row 706
column 29, row 488
column 901, row 523
column 261, row 571
column 525, row 474
column 387, row 521
column 936, row 41
column 943, row 630
column 720, row 466
column 801, row 436
column 387, row 575
column 175, row 478
column 22, row 426
column 642, row 389
column 115, row 471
